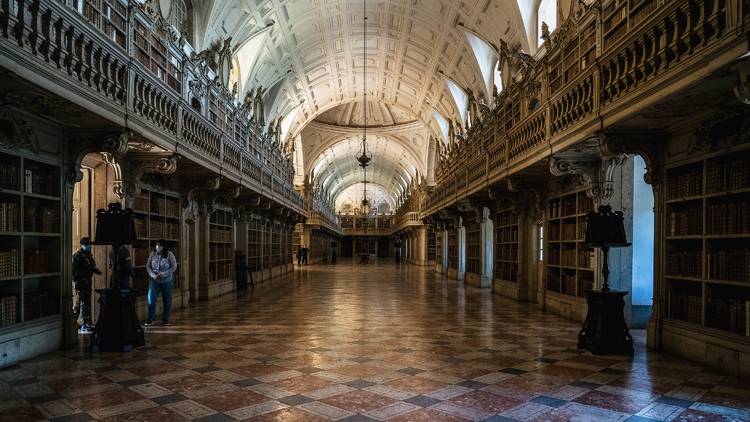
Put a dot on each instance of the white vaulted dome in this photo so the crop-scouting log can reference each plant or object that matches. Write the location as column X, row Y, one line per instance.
column 309, row 58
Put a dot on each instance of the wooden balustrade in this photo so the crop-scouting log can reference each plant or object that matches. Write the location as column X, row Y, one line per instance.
column 88, row 57
column 590, row 68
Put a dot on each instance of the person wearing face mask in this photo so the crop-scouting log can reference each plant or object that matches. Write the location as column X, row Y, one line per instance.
column 161, row 267
column 84, row 268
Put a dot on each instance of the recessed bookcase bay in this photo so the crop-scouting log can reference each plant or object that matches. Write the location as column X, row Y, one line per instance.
column 30, row 236
column 473, row 247
column 707, row 241
column 220, row 245
column 506, row 246
column 453, row 248
column 157, row 216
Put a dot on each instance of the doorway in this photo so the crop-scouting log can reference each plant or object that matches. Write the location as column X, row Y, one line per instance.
column 643, row 246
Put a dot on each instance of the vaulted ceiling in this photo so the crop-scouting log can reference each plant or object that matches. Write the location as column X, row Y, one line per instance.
column 310, row 53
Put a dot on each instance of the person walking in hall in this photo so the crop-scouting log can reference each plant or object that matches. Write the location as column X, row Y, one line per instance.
column 161, row 267
column 299, row 255
column 84, row 268
column 305, row 252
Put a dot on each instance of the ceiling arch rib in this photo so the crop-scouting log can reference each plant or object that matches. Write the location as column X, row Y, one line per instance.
column 317, row 48
column 409, row 40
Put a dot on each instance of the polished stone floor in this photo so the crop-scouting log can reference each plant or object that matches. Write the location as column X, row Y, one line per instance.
column 375, row 342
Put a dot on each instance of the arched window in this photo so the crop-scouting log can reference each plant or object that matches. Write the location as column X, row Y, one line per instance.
column 180, row 17
column 548, row 14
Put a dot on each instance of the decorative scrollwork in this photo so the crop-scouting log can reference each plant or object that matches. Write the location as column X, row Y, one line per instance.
column 17, row 133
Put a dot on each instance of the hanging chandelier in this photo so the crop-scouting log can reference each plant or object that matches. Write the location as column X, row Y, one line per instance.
column 363, row 158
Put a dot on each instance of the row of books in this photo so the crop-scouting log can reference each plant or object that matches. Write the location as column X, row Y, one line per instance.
column 507, row 253
column 684, row 263
column 566, row 284
column 141, row 203
column 40, row 303
column 729, row 265
column 506, row 236
column 9, row 176
column 553, row 255
column 41, row 220
column 10, row 217
column 506, row 219
column 562, row 208
column 40, row 182
column 569, row 231
column 169, row 207
column 586, row 258
column 685, row 185
column 729, row 218
column 726, row 175
column 8, row 310
column 220, row 235
column 221, row 217
column 220, row 252
column 568, row 257
column 729, row 315
column 685, row 222
column 220, row 270
column 507, row 272
column 166, row 230
column 684, row 306
column 9, row 263
column 36, row 261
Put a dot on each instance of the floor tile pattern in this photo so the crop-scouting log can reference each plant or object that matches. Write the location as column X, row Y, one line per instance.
column 363, row 343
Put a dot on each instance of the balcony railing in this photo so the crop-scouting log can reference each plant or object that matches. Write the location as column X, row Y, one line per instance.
column 593, row 66
column 133, row 70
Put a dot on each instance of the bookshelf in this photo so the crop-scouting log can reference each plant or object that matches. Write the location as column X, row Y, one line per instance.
column 431, row 244
column 506, row 246
column 220, row 246
column 275, row 244
column 267, row 241
column 473, row 248
column 254, row 244
column 30, row 235
column 150, row 50
column 569, row 265
column 453, row 248
column 296, row 243
column 286, row 244
column 108, row 16
column 439, row 247
column 157, row 216
column 706, row 248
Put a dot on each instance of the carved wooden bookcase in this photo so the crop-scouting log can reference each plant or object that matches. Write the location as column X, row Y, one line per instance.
column 569, row 265
column 506, row 246
column 220, row 249
column 706, row 236
column 157, row 216
column 30, row 236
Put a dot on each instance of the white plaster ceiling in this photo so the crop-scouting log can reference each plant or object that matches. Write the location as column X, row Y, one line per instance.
column 378, row 114
column 313, row 54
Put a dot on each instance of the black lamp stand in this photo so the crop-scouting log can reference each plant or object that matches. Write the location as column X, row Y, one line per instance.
column 604, row 330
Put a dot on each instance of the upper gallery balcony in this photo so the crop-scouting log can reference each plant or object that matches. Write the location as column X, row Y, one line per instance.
column 120, row 61
column 608, row 61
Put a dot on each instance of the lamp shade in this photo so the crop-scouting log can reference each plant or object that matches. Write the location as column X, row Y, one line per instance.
column 115, row 225
column 605, row 228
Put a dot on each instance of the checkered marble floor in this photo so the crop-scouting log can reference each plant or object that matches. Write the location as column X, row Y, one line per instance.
column 360, row 343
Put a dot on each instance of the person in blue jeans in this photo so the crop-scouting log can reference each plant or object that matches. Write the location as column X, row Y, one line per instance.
column 161, row 266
